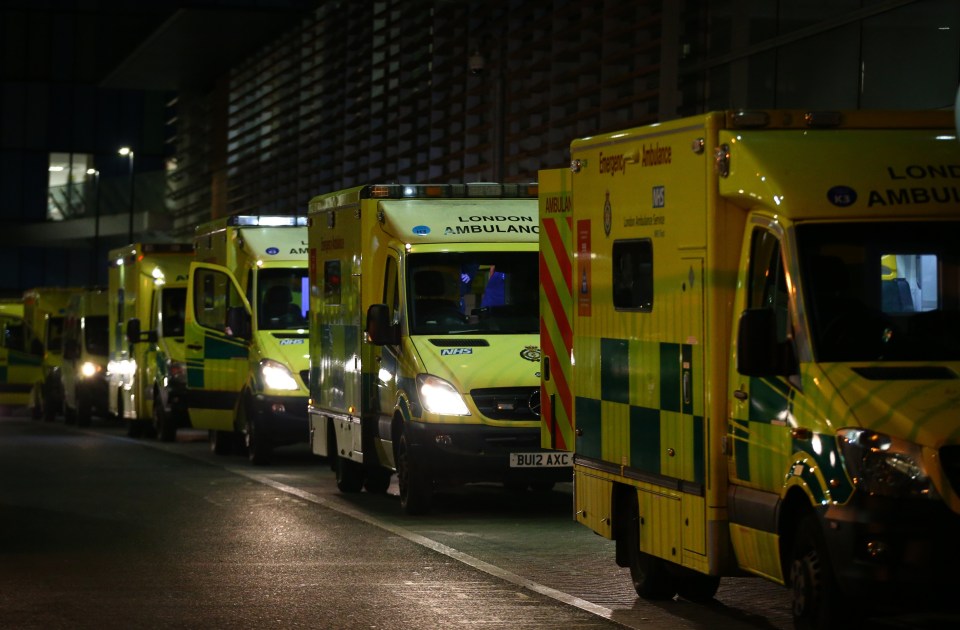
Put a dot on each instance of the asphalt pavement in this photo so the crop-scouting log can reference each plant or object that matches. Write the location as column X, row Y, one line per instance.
column 97, row 532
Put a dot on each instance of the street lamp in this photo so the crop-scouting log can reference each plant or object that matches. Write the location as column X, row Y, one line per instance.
column 128, row 153
column 96, row 220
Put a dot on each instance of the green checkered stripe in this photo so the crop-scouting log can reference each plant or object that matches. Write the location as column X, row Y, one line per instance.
column 641, row 411
column 758, row 457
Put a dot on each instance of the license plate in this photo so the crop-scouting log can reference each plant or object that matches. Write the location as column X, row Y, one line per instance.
column 557, row 459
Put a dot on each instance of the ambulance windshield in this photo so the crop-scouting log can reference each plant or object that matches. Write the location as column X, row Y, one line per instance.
column 473, row 293
column 882, row 291
column 282, row 299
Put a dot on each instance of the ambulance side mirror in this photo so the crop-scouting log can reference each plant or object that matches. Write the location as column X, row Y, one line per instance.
column 133, row 330
column 380, row 330
column 758, row 351
column 136, row 335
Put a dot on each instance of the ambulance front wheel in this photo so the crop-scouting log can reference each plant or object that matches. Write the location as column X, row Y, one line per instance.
column 816, row 602
column 84, row 412
column 69, row 415
column 163, row 424
column 416, row 488
column 650, row 575
column 258, row 446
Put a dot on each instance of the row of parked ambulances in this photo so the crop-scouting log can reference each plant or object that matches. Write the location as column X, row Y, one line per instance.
column 53, row 352
column 739, row 330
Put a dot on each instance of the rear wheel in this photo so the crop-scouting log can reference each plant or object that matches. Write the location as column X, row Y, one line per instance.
column 651, row 578
column 416, row 488
column 349, row 475
column 698, row 587
column 221, row 442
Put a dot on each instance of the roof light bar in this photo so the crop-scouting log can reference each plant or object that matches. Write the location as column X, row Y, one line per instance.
column 449, row 191
column 280, row 220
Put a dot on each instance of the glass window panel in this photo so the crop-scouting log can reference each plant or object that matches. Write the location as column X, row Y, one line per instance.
column 820, row 72
column 911, row 56
column 633, row 275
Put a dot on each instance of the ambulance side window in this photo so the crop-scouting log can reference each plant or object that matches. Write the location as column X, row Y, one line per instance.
column 768, row 281
column 13, row 335
column 633, row 275
column 215, row 297
column 391, row 293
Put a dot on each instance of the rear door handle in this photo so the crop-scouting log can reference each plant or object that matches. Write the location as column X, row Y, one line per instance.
column 194, row 346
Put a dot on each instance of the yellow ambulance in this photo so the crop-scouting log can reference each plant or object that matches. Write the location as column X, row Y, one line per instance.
column 424, row 347
column 147, row 371
column 751, row 344
column 19, row 369
column 247, row 333
column 84, row 369
column 43, row 312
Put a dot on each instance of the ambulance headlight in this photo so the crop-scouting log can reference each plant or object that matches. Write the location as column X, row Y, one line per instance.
column 89, row 369
column 440, row 397
column 277, row 376
column 124, row 369
column 883, row 465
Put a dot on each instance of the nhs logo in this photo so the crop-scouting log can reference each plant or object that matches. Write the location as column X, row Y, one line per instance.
column 451, row 352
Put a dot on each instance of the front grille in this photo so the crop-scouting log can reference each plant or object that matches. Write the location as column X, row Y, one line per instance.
column 508, row 403
column 950, row 460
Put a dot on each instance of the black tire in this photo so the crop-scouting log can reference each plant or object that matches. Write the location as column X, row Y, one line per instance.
column 416, row 488
column 221, row 442
column 349, row 475
column 49, row 409
column 163, row 425
column 258, row 447
column 697, row 587
column 36, row 411
column 84, row 412
column 134, row 428
column 377, row 480
column 69, row 415
column 816, row 600
column 651, row 577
